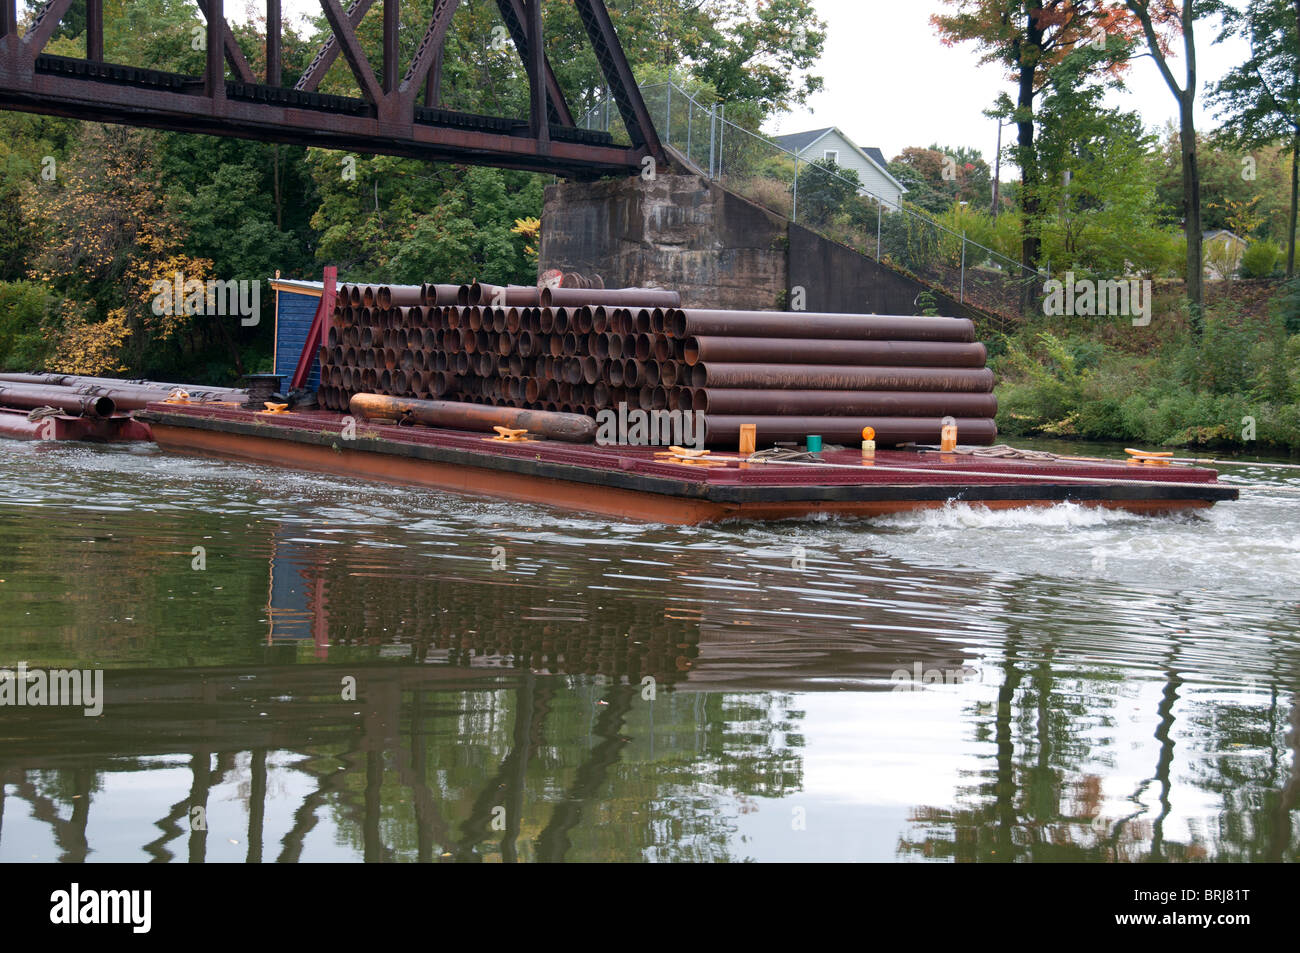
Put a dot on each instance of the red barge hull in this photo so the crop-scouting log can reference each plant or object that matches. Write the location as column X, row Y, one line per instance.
column 630, row 483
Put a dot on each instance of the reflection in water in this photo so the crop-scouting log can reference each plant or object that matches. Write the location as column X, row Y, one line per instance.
column 380, row 674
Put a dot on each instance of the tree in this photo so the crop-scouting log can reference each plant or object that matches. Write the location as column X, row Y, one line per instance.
column 1259, row 100
column 825, row 190
column 1151, row 19
column 1030, row 37
column 943, row 176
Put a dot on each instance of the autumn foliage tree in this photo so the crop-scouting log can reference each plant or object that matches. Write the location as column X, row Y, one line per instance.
column 1029, row 38
column 105, row 235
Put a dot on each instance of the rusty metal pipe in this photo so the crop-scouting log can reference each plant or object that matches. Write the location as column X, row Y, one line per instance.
column 845, row 378
column 835, row 403
column 844, row 327
column 731, row 350
column 439, row 295
column 31, row 396
column 388, row 296
column 625, row 297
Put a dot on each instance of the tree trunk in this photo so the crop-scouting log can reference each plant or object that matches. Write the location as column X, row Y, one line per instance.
column 1030, row 201
column 1192, row 211
column 275, row 179
column 1295, row 192
column 1029, row 57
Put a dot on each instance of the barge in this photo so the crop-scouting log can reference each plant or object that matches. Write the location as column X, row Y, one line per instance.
column 646, row 484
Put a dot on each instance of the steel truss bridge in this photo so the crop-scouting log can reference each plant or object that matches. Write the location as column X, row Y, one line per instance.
column 389, row 118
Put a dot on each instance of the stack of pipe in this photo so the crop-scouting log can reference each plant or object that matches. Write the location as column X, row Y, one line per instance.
column 583, row 350
column 98, row 396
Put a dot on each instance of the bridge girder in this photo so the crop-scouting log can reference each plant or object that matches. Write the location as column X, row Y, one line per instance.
column 387, row 118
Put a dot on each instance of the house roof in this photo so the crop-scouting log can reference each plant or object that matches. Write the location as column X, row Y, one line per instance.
column 798, row 142
column 875, row 155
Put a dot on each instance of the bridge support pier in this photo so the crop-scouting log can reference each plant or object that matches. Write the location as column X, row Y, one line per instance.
column 685, row 232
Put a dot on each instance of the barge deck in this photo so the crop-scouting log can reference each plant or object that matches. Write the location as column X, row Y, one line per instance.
column 633, row 483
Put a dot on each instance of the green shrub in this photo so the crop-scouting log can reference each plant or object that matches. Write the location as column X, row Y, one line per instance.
column 1260, row 259
column 24, row 307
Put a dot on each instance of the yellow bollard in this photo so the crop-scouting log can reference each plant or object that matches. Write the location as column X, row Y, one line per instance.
column 748, row 438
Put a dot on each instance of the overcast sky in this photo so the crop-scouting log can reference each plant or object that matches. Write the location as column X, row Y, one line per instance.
column 891, row 84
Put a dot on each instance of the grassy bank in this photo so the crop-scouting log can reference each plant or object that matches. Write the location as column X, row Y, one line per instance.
column 1237, row 387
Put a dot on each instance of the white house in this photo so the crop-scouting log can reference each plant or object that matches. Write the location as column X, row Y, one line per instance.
column 869, row 164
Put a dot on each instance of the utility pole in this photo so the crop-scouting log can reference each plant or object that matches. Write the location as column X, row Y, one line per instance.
column 997, row 170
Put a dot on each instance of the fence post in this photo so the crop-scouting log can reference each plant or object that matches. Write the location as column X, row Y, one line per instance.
column 722, row 131
column 668, row 124
column 962, row 298
column 689, row 115
column 794, row 212
column 713, row 122
column 880, row 218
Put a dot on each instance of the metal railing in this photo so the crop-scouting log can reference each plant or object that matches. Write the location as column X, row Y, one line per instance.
column 833, row 204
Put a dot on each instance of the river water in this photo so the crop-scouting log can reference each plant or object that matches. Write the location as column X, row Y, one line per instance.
column 304, row 668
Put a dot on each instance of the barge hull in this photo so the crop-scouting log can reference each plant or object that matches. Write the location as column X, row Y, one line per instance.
column 638, row 488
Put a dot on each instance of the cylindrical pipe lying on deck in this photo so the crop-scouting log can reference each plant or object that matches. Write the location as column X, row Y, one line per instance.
column 622, row 297
column 389, row 296
column 439, row 295
column 826, row 351
column 78, row 380
column 835, row 403
column 807, row 324
column 31, row 396
column 725, row 429
column 968, row 380
column 572, row 428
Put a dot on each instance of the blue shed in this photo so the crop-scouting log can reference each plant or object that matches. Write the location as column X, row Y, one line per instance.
column 295, row 306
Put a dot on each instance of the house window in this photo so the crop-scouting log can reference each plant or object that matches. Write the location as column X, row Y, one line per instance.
column 833, row 155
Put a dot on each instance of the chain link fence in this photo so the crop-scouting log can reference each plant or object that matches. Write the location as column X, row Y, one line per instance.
column 831, row 202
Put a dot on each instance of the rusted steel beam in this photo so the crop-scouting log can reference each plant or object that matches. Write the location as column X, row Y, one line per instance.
column 43, row 26
column 392, row 18
column 538, row 122
column 428, row 58
column 91, row 99
column 274, row 41
column 514, row 16
column 329, row 51
column 433, row 81
column 618, row 74
column 234, row 55
column 346, row 35
column 214, row 74
column 94, row 29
